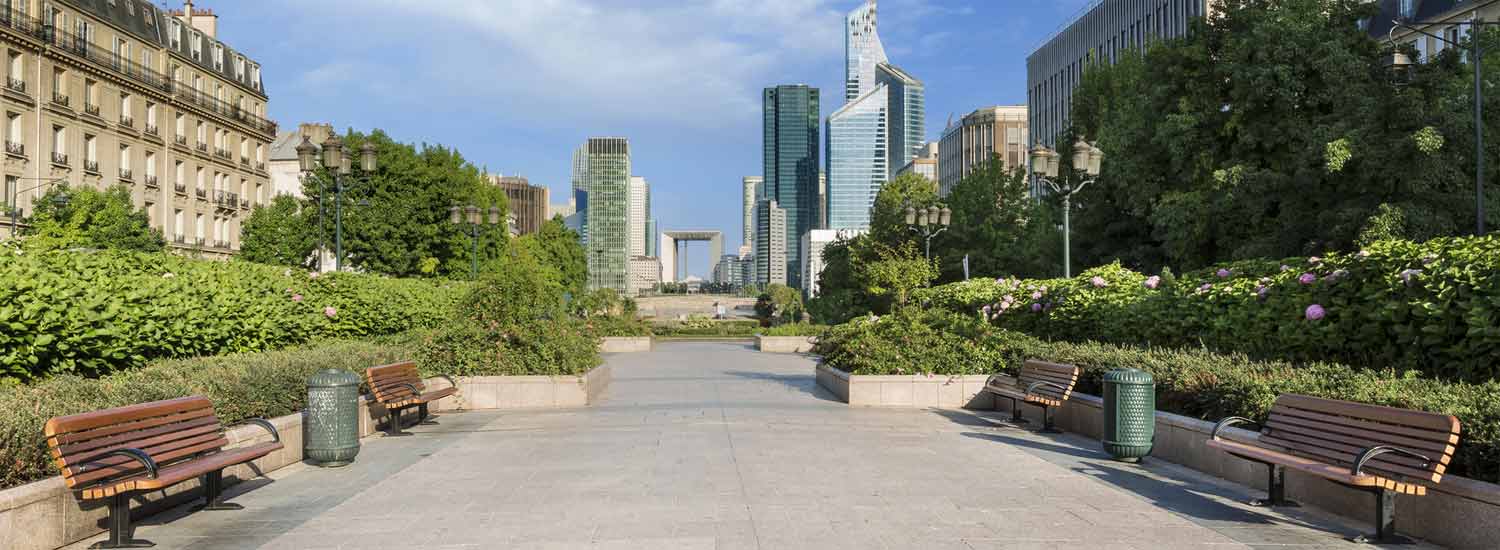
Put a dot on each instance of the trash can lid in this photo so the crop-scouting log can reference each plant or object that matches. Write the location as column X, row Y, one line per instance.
column 332, row 377
column 1129, row 376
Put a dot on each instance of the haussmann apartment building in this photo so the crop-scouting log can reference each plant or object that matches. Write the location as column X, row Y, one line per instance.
column 105, row 92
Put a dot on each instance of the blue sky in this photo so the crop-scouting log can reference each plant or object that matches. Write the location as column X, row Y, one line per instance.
column 515, row 85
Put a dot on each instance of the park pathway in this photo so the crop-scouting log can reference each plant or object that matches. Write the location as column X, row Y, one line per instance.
column 716, row 446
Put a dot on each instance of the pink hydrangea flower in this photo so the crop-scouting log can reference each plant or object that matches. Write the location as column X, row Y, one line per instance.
column 1224, row 273
column 1285, row 268
column 1315, row 312
column 1261, row 292
column 1307, row 278
column 1098, row 282
column 1206, row 287
column 1315, row 260
column 1036, row 308
column 1036, row 295
column 330, row 311
column 296, row 297
column 1363, row 254
column 1152, row 282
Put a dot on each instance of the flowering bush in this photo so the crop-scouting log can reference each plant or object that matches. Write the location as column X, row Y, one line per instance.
column 1432, row 307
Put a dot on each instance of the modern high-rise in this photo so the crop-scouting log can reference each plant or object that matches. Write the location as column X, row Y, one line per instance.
column 857, row 161
column 639, row 214
column 528, row 203
column 100, row 94
column 579, row 221
column 791, row 159
column 651, row 238
column 645, row 274
column 862, row 51
column 1104, row 31
column 907, row 115
column 770, row 245
column 974, row 140
column 751, row 186
column 606, row 177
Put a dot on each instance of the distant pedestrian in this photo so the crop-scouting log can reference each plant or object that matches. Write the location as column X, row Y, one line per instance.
column 718, row 310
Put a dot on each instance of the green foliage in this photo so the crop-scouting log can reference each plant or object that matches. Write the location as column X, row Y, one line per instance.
column 998, row 227
column 895, row 272
column 1432, row 307
column 910, row 341
column 557, row 246
column 277, row 234
column 794, row 329
column 513, row 292
column 558, row 347
column 600, row 302
column 92, row 313
column 779, row 304
column 616, row 326
column 241, row 386
column 91, row 219
column 888, row 214
column 839, row 299
column 706, row 327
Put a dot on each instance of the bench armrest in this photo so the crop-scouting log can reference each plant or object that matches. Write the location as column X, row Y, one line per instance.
column 1032, row 388
column 275, row 435
column 1231, row 421
column 137, row 454
column 1372, row 452
column 415, row 391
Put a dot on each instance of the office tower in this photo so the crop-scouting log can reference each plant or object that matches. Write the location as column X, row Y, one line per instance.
column 579, row 221
column 925, row 165
column 770, row 244
column 907, row 115
column 790, row 148
column 639, row 212
column 645, row 274
column 979, row 136
column 857, row 159
column 751, row 193
column 651, row 238
column 862, row 51
column 528, row 203
column 822, row 200
column 607, row 180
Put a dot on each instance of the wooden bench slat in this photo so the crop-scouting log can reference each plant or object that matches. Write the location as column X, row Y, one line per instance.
column 1429, row 447
column 182, row 471
column 1390, row 465
column 153, row 441
column 162, row 454
column 82, row 449
column 129, row 425
column 98, row 419
column 1390, row 415
column 1345, row 422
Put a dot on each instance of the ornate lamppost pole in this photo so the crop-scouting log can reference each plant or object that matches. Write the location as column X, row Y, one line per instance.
column 474, row 218
column 1086, row 160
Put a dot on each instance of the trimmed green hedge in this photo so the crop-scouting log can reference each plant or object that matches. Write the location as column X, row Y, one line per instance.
column 794, row 329
column 241, row 386
column 706, row 327
column 92, row 313
column 543, row 347
column 1432, row 307
column 1192, row 382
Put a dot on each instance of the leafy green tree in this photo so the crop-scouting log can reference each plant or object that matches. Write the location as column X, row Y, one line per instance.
column 895, row 271
column 999, row 227
column 90, row 218
column 888, row 214
column 557, row 246
column 779, row 304
column 277, row 234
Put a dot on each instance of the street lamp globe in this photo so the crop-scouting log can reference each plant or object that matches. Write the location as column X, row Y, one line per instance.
column 945, row 216
column 307, row 154
column 456, row 215
column 344, row 167
column 911, row 216
column 474, row 217
column 367, row 157
column 1096, row 158
column 494, row 215
column 1399, row 66
column 934, row 215
column 1041, row 161
column 333, row 151
column 1081, row 150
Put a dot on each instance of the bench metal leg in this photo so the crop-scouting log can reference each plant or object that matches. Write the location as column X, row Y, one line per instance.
column 423, row 417
column 1015, row 411
column 1275, row 489
column 120, row 531
column 393, row 423
column 213, row 493
column 1047, row 426
column 1385, row 521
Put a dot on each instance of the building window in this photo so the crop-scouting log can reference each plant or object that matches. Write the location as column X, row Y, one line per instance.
column 202, row 133
column 125, row 106
column 91, row 148
column 197, row 45
column 181, row 125
column 17, row 67
column 218, row 57
column 151, row 213
column 179, row 173
column 148, row 59
column 176, row 34
column 13, row 128
column 59, row 83
column 12, row 185
column 199, row 227
column 177, row 224
column 150, row 164
column 150, row 114
column 60, row 140
column 202, row 179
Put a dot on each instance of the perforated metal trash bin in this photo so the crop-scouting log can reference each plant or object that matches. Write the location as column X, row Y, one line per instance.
column 1129, row 414
column 331, row 429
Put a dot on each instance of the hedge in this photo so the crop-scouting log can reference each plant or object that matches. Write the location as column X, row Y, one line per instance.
column 794, row 329
column 543, row 347
column 92, row 313
column 706, row 327
column 1432, row 307
column 241, row 386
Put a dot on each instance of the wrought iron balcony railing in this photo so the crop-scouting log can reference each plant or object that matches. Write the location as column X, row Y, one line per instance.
column 180, row 140
column 151, row 181
column 125, row 174
column 60, row 99
column 201, row 147
column 180, row 188
column 60, row 158
column 90, row 108
column 152, row 129
column 15, row 148
column 127, row 120
column 201, row 193
column 91, row 166
column 179, row 238
column 15, row 84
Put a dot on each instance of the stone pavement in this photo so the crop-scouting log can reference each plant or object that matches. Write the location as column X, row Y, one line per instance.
column 716, row 446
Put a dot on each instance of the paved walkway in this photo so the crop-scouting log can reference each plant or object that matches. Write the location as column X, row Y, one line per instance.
column 715, row 446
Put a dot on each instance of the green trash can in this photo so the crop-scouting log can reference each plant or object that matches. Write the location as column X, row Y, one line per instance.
column 1129, row 414
column 330, row 433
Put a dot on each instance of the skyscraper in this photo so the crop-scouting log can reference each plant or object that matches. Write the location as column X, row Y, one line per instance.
column 752, row 185
column 579, row 221
column 790, row 147
column 862, row 51
column 528, row 203
column 907, row 115
column 639, row 212
column 771, row 255
column 606, row 177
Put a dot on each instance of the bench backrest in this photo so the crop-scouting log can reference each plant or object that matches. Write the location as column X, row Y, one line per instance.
column 389, row 383
column 1337, row 431
column 168, row 431
column 1033, row 371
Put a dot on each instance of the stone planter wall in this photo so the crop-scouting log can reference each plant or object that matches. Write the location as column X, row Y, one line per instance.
column 1458, row 513
column 625, row 344
column 521, row 392
column 785, row 344
column 910, row 391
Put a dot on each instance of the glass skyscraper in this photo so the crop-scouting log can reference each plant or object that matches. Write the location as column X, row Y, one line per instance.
column 862, row 51
column 907, row 113
column 858, row 161
column 790, row 170
column 606, row 178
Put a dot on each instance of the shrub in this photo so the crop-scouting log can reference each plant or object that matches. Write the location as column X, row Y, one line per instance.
column 555, row 347
column 794, row 329
column 705, row 327
column 92, row 313
column 241, row 386
column 614, row 326
column 1430, row 307
column 516, row 292
column 910, row 341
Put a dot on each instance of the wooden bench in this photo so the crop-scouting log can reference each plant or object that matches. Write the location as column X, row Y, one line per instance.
column 1383, row 450
column 114, row 453
column 1042, row 384
column 398, row 387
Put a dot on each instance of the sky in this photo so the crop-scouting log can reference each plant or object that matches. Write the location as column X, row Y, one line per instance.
column 517, row 85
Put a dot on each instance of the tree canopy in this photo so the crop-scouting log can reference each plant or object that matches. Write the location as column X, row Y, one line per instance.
column 84, row 217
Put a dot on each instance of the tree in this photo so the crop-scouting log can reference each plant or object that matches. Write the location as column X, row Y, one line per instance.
column 277, row 234
column 998, row 226
column 90, row 218
column 888, row 214
column 895, row 271
column 557, row 246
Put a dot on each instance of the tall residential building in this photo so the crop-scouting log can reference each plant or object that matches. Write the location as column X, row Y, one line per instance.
column 100, row 94
column 862, row 51
column 639, row 213
column 751, row 186
column 907, row 115
column 976, row 138
column 770, row 245
column 606, row 178
column 1431, row 16
column 735, row 270
column 857, row 160
column 645, row 274
column 790, row 148
column 1104, row 31
column 528, row 203
column 284, row 167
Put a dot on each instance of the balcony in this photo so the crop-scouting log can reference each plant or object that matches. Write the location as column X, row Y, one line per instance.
column 260, row 166
column 125, row 175
column 15, row 148
column 198, row 241
column 15, row 84
column 90, row 108
column 59, row 99
column 226, row 199
column 179, row 238
column 179, row 188
column 151, row 182
column 60, row 159
column 221, row 244
column 91, row 166
column 222, row 153
column 180, row 140
column 202, row 194
column 244, row 204
column 201, row 147
column 245, row 161
column 127, row 121
column 152, row 129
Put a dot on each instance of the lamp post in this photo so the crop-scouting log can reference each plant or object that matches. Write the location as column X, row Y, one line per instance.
column 928, row 222
column 341, row 166
column 1086, row 159
column 1400, row 64
column 15, row 211
column 474, row 217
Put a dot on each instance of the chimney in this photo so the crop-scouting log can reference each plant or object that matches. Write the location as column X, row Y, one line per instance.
column 202, row 19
